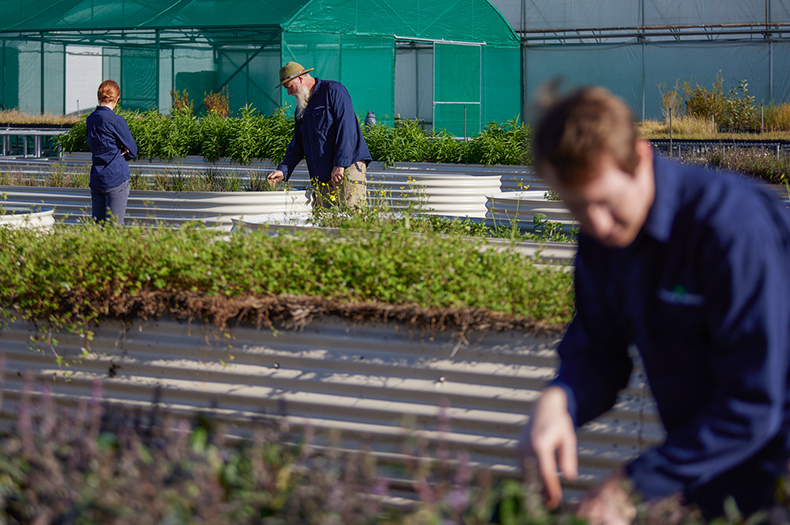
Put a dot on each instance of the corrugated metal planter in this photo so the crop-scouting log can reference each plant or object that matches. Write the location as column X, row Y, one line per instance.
column 215, row 209
column 449, row 193
column 37, row 217
column 373, row 384
column 454, row 194
column 524, row 205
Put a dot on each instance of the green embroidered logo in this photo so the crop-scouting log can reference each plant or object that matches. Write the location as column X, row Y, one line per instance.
column 679, row 295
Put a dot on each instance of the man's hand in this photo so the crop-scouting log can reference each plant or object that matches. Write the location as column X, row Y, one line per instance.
column 609, row 503
column 275, row 177
column 337, row 174
column 550, row 437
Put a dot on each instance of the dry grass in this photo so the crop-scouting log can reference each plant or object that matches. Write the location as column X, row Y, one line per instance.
column 694, row 128
column 15, row 117
column 777, row 117
column 685, row 126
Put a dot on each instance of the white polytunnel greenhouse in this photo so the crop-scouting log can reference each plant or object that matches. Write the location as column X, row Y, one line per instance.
column 454, row 64
column 633, row 46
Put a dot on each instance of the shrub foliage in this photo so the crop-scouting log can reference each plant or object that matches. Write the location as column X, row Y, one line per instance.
column 252, row 135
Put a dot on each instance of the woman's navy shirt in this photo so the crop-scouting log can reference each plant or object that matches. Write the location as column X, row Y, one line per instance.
column 704, row 294
column 108, row 133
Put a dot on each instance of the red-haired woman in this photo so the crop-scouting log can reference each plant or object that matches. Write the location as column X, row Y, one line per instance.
column 112, row 145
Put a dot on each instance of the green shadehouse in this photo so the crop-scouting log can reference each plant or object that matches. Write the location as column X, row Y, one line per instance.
column 454, row 64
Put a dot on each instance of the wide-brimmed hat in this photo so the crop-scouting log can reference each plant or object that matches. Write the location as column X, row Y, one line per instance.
column 290, row 71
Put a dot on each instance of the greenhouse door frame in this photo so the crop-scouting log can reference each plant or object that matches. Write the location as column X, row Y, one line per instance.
column 468, row 105
column 438, row 80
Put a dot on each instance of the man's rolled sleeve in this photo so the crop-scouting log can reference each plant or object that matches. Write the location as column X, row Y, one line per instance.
column 293, row 155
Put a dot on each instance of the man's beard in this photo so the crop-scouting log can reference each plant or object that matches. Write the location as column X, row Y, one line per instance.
column 302, row 96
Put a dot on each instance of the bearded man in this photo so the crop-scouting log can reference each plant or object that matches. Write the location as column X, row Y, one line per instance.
column 327, row 135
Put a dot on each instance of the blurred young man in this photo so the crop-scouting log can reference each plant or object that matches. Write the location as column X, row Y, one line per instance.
column 691, row 266
column 327, row 135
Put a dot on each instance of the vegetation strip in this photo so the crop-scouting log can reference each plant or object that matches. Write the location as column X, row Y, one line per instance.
column 73, row 277
column 252, row 135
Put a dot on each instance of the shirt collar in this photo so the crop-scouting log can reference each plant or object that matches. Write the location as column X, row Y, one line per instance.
column 666, row 201
column 315, row 88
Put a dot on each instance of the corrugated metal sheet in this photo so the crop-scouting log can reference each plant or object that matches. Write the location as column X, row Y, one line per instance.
column 371, row 383
column 215, row 209
column 524, row 205
column 441, row 189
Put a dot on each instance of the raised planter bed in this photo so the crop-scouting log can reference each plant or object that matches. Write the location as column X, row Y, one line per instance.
column 439, row 189
column 522, row 206
column 72, row 205
column 38, row 217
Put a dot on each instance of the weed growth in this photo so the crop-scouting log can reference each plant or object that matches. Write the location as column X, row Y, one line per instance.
column 217, row 103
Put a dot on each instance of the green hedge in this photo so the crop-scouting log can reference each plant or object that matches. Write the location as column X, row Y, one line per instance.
column 255, row 136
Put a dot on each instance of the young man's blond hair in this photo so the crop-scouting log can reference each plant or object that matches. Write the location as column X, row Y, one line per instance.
column 574, row 131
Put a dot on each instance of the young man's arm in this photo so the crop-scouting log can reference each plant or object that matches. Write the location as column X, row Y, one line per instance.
column 594, row 367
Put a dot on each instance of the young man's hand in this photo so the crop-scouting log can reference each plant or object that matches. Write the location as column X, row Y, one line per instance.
column 608, row 503
column 550, row 438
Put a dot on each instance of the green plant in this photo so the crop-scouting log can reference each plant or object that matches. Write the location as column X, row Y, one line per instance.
column 244, row 136
column 180, row 101
column 671, row 99
column 217, row 103
column 501, row 144
column 214, row 136
column 703, row 103
column 740, row 109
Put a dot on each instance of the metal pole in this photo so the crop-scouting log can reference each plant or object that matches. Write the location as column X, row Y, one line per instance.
column 670, row 131
column 464, row 122
column 42, row 79
column 158, row 67
column 762, row 118
column 644, row 55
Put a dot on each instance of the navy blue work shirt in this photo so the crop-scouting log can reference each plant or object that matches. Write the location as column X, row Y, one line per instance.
column 704, row 294
column 327, row 134
column 108, row 134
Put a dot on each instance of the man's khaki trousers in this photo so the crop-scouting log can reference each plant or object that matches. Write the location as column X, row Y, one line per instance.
column 350, row 192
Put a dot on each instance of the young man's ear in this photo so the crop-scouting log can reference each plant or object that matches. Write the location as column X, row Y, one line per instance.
column 644, row 150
